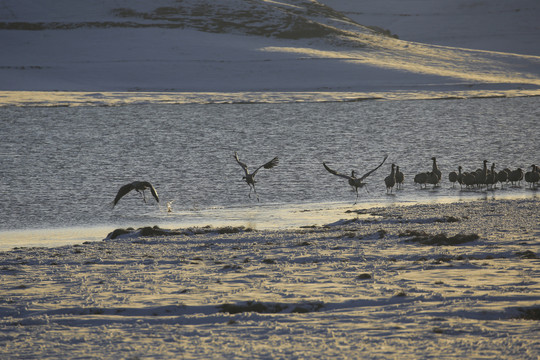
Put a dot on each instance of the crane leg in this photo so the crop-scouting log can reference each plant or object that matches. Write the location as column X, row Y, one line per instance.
column 255, row 192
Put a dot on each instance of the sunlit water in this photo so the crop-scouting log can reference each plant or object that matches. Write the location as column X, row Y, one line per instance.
column 62, row 166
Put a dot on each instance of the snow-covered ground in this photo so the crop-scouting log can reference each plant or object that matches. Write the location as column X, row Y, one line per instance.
column 294, row 45
column 393, row 282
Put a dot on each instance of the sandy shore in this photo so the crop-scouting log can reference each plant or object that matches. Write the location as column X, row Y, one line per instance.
column 441, row 281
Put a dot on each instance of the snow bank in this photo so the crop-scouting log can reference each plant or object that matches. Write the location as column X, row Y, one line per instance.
column 355, row 289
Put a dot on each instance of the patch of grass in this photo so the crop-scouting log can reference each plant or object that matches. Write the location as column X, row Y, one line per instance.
column 125, row 12
column 96, row 311
column 440, row 239
column 529, row 313
column 232, row 229
column 270, row 308
column 251, row 306
column 364, row 276
column 413, row 233
column 118, row 232
column 7, row 268
column 157, row 231
column 167, row 11
column 307, row 308
column 442, row 259
column 527, row 254
column 449, row 219
column 232, row 267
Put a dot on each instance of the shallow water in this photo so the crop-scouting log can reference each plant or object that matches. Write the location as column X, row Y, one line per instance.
column 62, row 166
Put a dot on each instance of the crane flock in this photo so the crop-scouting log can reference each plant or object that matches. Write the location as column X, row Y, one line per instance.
column 486, row 176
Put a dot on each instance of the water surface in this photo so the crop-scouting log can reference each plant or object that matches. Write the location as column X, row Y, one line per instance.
column 62, row 166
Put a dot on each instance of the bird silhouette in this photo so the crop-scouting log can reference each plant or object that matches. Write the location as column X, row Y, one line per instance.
column 355, row 182
column 138, row 186
column 390, row 180
column 469, row 179
column 250, row 177
column 533, row 176
column 481, row 176
column 502, row 176
column 436, row 174
column 515, row 176
column 491, row 178
column 399, row 178
column 421, row 178
column 453, row 177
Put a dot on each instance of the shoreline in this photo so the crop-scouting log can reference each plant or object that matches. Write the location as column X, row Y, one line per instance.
column 282, row 217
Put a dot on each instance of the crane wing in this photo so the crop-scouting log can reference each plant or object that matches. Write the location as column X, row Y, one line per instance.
column 243, row 165
column 371, row 171
column 272, row 163
column 336, row 173
column 123, row 191
column 152, row 190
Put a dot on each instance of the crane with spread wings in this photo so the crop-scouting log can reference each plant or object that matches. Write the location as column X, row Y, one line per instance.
column 138, row 186
column 250, row 177
column 355, row 182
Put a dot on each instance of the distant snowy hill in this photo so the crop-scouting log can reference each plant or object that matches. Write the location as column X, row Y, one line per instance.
column 496, row 25
column 293, row 19
column 248, row 45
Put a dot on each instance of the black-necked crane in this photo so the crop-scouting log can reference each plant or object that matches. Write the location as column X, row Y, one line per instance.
column 432, row 177
column 515, row 176
column 533, row 176
column 469, row 179
column 400, row 178
column 435, row 169
column 138, row 186
column 354, row 181
column 481, row 175
column 250, row 177
column 453, row 177
column 420, row 178
column 460, row 177
column 390, row 180
column 491, row 178
column 502, row 176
